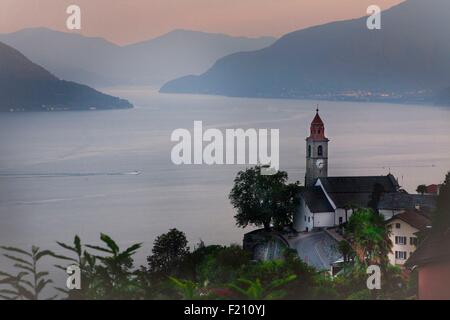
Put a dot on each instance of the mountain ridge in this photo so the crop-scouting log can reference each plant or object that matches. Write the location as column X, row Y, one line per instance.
column 405, row 60
column 100, row 63
column 26, row 86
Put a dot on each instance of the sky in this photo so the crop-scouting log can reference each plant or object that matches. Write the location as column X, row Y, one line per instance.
column 128, row 21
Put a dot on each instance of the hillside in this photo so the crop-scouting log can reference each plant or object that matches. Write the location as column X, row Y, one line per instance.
column 100, row 63
column 406, row 60
column 25, row 86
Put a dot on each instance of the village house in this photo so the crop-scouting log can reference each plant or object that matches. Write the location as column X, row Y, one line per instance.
column 432, row 261
column 404, row 229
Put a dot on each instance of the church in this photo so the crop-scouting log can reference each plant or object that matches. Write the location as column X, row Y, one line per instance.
column 329, row 201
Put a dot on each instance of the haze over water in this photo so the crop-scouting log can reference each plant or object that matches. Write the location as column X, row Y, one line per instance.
column 71, row 173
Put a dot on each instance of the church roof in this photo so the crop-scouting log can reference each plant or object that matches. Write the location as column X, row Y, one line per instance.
column 359, row 184
column 317, row 120
column 356, row 191
column 316, row 200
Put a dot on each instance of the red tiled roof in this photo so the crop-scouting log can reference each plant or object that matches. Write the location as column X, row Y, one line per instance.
column 432, row 188
column 414, row 218
column 317, row 120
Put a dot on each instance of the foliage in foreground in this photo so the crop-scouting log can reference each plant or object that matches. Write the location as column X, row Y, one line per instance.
column 28, row 283
column 207, row 272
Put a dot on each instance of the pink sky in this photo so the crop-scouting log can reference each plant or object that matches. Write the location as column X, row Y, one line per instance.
column 128, row 21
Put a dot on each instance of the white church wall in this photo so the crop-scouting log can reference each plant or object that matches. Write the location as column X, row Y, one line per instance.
column 299, row 216
column 324, row 220
column 341, row 216
column 304, row 219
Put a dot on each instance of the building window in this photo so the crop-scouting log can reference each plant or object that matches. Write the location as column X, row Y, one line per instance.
column 305, row 218
column 309, row 219
column 400, row 240
column 400, row 255
column 397, row 225
column 413, row 241
column 320, row 151
column 309, row 151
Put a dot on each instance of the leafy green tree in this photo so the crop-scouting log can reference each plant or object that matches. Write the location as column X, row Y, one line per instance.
column 169, row 250
column 369, row 237
column 346, row 250
column 267, row 271
column 106, row 274
column 422, row 189
column 254, row 289
column 188, row 290
column 263, row 200
column 222, row 265
column 29, row 282
column 441, row 217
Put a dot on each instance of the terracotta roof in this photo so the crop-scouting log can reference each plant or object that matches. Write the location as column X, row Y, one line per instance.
column 317, row 120
column 433, row 188
column 413, row 218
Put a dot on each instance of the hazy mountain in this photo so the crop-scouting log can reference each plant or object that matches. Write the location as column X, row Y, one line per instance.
column 409, row 54
column 25, row 86
column 97, row 62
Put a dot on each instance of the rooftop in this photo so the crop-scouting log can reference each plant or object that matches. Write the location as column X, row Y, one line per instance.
column 357, row 191
column 414, row 218
column 316, row 200
column 435, row 248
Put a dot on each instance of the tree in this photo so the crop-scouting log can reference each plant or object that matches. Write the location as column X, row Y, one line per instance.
column 263, row 200
column 346, row 250
column 221, row 265
column 106, row 274
column 168, row 251
column 369, row 237
column 421, row 189
column 441, row 217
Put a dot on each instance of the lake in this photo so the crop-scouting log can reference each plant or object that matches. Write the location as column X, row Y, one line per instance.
column 71, row 173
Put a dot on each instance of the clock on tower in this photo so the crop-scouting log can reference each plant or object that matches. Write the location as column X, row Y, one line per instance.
column 316, row 151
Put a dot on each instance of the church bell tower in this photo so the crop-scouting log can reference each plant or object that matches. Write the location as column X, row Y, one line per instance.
column 316, row 152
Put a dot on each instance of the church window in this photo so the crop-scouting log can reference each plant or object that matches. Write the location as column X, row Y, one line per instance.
column 309, row 151
column 320, row 151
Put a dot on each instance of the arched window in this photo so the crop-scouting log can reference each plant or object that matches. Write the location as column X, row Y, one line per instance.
column 309, row 151
column 320, row 151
